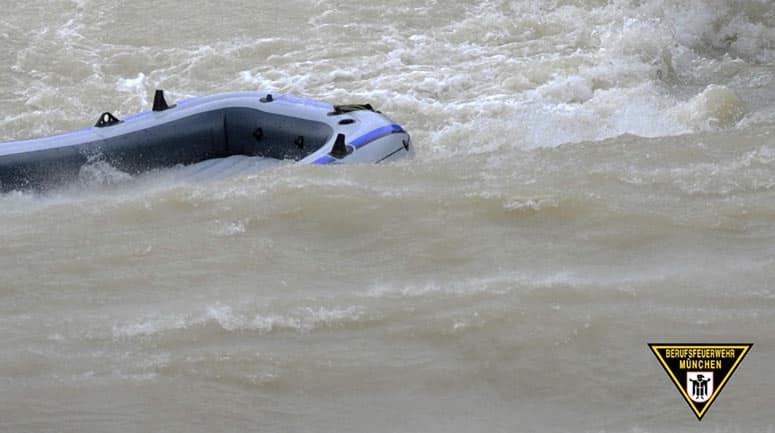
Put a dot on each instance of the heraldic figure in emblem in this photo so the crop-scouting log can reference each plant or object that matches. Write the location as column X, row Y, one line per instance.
column 700, row 387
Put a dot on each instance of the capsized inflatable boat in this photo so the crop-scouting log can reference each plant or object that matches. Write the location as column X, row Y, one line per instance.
column 275, row 126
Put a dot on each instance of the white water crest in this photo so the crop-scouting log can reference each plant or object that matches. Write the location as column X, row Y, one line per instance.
column 591, row 176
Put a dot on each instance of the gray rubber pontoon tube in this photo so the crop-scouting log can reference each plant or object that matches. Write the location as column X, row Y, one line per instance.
column 243, row 123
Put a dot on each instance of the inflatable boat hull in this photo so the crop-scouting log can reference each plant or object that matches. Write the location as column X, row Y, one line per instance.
column 217, row 126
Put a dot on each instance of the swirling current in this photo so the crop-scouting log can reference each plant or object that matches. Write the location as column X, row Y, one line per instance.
column 591, row 176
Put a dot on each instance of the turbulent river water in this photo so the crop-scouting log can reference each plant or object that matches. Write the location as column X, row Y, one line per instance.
column 591, row 176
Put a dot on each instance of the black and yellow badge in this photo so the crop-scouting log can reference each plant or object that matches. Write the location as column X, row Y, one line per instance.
column 700, row 371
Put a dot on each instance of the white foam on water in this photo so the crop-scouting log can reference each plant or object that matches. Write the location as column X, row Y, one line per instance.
column 98, row 172
column 302, row 319
column 717, row 107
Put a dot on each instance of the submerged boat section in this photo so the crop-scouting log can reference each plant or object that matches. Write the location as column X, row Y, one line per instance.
column 277, row 126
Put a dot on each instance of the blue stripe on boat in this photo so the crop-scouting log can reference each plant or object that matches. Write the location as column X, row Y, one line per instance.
column 364, row 140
